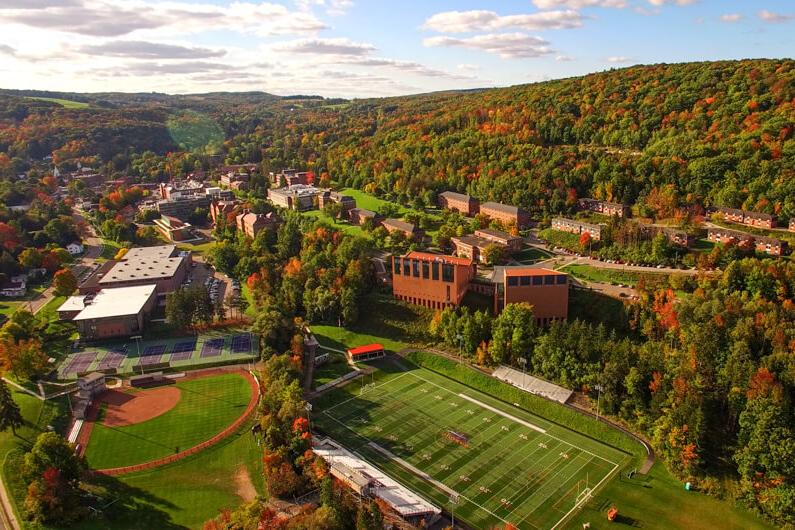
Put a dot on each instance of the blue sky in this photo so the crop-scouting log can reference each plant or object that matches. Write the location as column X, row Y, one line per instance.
column 361, row 48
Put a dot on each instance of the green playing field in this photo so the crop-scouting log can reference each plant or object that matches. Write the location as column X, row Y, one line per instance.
column 497, row 463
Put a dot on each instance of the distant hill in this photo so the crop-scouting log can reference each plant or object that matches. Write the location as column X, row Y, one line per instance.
column 665, row 135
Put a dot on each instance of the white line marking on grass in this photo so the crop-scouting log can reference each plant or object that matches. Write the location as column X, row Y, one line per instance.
column 578, row 505
column 503, row 414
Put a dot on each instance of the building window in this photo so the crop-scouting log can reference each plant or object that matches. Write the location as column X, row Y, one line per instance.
column 524, row 281
column 415, row 266
column 561, row 279
column 426, row 270
column 549, row 280
column 406, row 267
column 448, row 272
column 396, row 266
column 538, row 280
column 448, row 293
column 435, row 270
column 513, row 281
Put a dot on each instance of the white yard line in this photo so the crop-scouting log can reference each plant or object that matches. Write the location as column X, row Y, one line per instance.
column 503, row 414
column 578, row 505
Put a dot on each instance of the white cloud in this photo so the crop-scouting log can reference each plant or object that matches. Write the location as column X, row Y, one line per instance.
column 468, row 67
column 731, row 17
column 578, row 4
column 774, row 18
column 339, row 46
column 564, row 58
column 5, row 49
column 481, row 20
column 332, row 7
column 506, row 45
column 110, row 18
column 618, row 59
column 149, row 50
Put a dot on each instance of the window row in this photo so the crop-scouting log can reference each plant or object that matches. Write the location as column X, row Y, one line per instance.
column 423, row 269
column 524, row 281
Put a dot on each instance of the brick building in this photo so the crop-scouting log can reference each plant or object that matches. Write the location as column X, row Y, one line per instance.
column 577, row 227
column 333, row 197
column 604, row 207
column 222, row 209
column 765, row 245
column 358, row 216
column 512, row 243
column 410, row 230
column 298, row 197
column 792, row 225
column 116, row 312
column 252, row 224
column 183, row 208
column 545, row 289
column 505, row 213
column 431, row 280
column 745, row 217
column 459, row 202
column 474, row 246
column 173, row 229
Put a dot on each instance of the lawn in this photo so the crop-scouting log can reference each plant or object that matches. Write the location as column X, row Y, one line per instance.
column 612, row 276
column 531, row 255
column 342, row 226
column 334, row 368
column 8, row 308
column 206, row 407
column 199, row 248
column 67, row 103
column 370, row 202
column 505, row 464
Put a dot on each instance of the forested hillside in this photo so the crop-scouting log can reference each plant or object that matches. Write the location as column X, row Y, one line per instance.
column 664, row 136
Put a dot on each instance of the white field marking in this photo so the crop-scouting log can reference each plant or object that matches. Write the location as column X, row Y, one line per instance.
column 551, row 436
column 503, row 414
column 578, row 505
column 569, row 476
column 511, row 480
column 470, row 412
column 523, row 436
column 422, row 474
column 377, row 386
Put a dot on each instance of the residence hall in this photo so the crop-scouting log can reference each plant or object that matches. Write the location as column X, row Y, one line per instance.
column 458, row 202
column 505, row 213
column 544, row 289
column 431, row 280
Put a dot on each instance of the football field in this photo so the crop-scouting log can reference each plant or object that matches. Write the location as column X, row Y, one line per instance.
column 494, row 463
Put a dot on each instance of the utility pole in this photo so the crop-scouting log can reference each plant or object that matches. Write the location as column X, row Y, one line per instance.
column 523, row 362
column 138, row 346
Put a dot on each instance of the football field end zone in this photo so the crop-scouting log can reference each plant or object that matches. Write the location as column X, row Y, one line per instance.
column 439, row 487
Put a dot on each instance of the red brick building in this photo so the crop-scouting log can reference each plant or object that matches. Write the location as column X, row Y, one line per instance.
column 431, row 280
column 505, row 213
column 745, row 217
column 765, row 245
column 252, row 224
column 577, row 227
column 459, row 202
column 604, row 207
column 410, row 230
column 545, row 289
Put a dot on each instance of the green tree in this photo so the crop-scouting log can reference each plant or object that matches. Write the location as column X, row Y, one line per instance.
column 10, row 415
column 64, row 282
column 493, row 254
column 513, row 333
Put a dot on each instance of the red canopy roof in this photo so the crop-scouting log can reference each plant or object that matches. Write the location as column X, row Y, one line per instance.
column 367, row 348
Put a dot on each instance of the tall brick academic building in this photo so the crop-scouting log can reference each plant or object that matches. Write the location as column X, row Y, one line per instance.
column 431, row 280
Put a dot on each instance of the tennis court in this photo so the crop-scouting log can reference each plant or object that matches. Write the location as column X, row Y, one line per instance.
column 80, row 362
column 212, row 348
column 241, row 343
column 183, row 350
column 499, row 463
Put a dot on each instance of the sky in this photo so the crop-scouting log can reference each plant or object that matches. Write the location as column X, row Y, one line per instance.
column 367, row 48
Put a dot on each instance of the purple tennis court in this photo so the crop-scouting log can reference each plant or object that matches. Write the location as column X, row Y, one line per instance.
column 111, row 360
column 183, row 350
column 80, row 362
column 212, row 348
column 241, row 343
column 149, row 359
column 157, row 349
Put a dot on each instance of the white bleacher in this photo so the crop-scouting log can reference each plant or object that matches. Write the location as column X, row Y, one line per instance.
column 531, row 384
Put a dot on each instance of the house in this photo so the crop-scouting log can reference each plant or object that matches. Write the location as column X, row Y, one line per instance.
column 74, row 248
column 745, row 217
column 725, row 235
column 431, row 280
column 459, row 202
column 770, row 245
column 410, row 230
column 14, row 287
column 358, row 216
column 546, row 290
column 252, row 224
column 577, row 227
column 605, row 207
column 505, row 213
column 365, row 353
column 116, row 312
column 173, row 229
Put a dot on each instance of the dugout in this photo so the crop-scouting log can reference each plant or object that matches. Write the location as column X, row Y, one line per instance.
column 367, row 352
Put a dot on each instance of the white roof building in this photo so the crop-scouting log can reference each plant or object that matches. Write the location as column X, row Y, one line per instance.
column 118, row 302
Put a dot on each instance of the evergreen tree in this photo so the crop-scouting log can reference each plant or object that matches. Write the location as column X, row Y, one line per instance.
column 10, row 415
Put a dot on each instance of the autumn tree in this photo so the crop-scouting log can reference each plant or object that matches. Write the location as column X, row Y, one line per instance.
column 24, row 359
column 64, row 282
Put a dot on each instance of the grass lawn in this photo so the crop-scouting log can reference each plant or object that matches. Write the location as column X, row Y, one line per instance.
column 49, row 311
column 67, row 103
column 8, row 308
column 659, row 501
column 342, row 226
column 703, row 245
column 508, row 465
column 370, row 202
column 200, row 248
column 531, row 255
column 109, row 249
column 206, row 406
column 38, row 415
column 612, row 276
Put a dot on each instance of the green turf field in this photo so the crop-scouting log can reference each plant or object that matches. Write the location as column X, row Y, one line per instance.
column 205, row 408
column 503, row 464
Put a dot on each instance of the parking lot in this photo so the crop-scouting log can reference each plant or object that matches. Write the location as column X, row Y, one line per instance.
column 220, row 286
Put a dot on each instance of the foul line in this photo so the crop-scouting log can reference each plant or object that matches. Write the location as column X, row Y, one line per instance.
column 503, row 414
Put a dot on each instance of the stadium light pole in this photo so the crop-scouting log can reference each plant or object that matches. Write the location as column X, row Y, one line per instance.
column 138, row 346
column 460, row 339
column 453, row 501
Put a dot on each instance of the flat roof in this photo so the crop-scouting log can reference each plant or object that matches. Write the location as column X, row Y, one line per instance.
column 154, row 268
column 160, row 251
column 500, row 273
column 496, row 233
column 73, row 303
column 117, row 302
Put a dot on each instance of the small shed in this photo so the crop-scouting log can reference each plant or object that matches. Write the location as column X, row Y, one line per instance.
column 366, row 352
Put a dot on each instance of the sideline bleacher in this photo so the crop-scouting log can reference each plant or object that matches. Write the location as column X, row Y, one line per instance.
column 531, row 384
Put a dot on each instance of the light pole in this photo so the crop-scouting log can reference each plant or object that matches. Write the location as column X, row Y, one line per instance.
column 523, row 362
column 598, row 398
column 460, row 339
column 138, row 346
column 453, row 502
